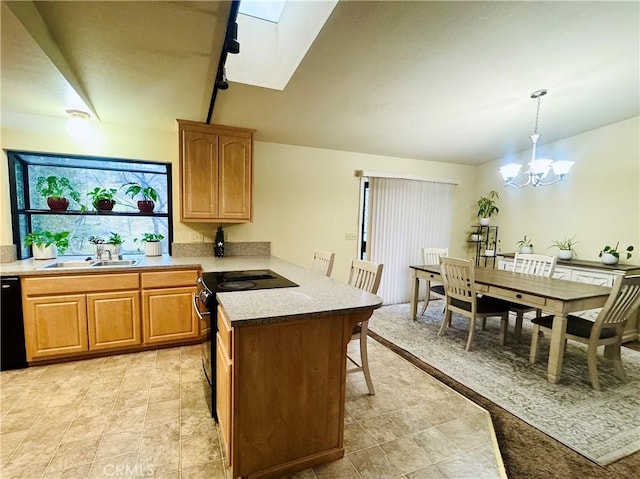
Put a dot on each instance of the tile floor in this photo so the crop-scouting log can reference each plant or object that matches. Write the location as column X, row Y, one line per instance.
column 144, row 415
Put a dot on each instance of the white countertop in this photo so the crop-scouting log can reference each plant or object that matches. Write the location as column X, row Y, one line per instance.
column 316, row 296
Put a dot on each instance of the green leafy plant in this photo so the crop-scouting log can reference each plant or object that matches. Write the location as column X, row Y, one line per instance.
column 149, row 237
column 135, row 189
column 219, row 236
column 565, row 244
column 487, row 205
column 95, row 240
column 47, row 238
column 114, row 238
column 525, row 242
column 56, row 187
column 98, row 194
column 614, row 251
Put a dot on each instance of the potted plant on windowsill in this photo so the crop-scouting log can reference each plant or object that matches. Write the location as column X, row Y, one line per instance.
column 152, row 243
column 487, row 207
column 149, row 196
column 102, row 199
column 114, row 244
column 565, row 247
column 47, row 245
column 55, row 189
column 611, row 256
column 525, row 245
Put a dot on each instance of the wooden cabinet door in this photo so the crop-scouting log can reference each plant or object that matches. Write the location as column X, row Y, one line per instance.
column 168, row 315
column 113, row 319
column 235, row 177
column 224, row 391
column 55, row 326
column 199, row 172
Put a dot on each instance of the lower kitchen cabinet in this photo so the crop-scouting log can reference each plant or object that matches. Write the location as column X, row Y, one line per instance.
column 55, row 326
column 113, row 319
column 167, row 306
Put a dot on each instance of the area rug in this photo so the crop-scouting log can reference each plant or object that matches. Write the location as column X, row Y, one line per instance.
column 602, row 426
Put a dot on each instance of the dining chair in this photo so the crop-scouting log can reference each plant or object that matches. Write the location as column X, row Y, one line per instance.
column 606, row 330
column 322, row 262
column 364, row 275
column 432, row 256
column 536, row 264
column 461, row 298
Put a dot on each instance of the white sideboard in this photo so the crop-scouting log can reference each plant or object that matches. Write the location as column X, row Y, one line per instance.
column 591, row 272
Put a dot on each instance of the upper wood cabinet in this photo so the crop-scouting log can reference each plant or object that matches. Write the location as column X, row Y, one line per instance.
column 216, row 172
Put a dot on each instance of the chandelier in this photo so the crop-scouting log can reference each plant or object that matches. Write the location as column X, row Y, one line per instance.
column 539, row 169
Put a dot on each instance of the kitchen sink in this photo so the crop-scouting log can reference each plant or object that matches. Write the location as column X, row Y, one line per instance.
column 71, row 264
column 91, row 264
column 117, row 262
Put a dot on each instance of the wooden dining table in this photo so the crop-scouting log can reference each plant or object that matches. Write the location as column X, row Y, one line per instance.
column 555, row 296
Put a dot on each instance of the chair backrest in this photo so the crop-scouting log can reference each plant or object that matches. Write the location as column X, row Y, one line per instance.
column 322, row 262
column 365, row 275
column 432, row 255
column 623, row 300
column 458, row 279
column 537, row 264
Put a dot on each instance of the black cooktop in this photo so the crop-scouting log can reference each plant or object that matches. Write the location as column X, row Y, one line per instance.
column 246, row 280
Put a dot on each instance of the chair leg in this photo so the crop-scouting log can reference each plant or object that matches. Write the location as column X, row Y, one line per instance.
column 472, row 327
column 504, row 324
column 517, row 332
column 364, row 357
column 535, row 336
column 425, row 303
column 484, row 324
column 592, row 363
column 445, row 323
column 617, row 364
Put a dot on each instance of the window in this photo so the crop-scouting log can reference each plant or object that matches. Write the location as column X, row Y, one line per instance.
column 30, row 211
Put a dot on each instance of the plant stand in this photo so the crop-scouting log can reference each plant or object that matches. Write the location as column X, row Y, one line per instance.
column 486, row 248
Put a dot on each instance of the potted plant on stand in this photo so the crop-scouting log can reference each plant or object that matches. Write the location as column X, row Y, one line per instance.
column 152, row 243
column 55, row 189
column 102, row 199
column 566, row 248
column 218, row 247
column 611, row 256
column 149, row 196
column 47, row 245
column 525, row 245
column 487, row 207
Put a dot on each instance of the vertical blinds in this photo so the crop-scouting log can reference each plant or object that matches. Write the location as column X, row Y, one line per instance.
column 404, row 217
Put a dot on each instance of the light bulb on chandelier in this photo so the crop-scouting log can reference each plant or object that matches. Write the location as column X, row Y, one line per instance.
column 538, row 168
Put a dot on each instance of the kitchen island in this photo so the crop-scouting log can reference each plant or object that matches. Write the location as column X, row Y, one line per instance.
column 281, row 368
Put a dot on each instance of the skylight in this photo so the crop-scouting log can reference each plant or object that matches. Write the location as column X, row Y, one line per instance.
column 270, row 11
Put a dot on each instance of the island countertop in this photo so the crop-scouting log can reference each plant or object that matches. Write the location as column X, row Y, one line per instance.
column 316, row 295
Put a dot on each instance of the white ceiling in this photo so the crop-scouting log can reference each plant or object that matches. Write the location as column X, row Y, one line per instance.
column 442, row 81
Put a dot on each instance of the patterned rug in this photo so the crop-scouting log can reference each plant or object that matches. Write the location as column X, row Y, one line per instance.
column 602, row 426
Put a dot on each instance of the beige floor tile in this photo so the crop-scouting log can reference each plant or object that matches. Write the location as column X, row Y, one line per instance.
column 80, row 472
column 429, row 472
column 406, row 455
column 210, row 470
column 435, row 444
column 373, row 463
column 465, row 433
column 474, row 463
column 164, row 411
column 356, row 438
column 85, row 428
column 340, row 469
column 120, row 467
column 382, row 428
column 25, row 470
column 197, row 425
column 129, row 399
column 20, row 421
column 411, row 419
column 165, row 392
column 73, row 454
column 306, row 474
column 168, row 431
column 118, row 443
column 159, row 456
column 95, row 406
column 126, row 420
column 198, row 450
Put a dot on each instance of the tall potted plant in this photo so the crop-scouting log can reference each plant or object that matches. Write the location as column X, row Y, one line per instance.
column 149, row 196
column 487, row 207
column 55, row 189
column 47, row 245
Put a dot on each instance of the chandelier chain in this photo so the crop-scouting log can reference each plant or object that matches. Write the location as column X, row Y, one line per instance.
column 535, row 128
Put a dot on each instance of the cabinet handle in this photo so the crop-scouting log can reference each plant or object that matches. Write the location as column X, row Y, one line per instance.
column 198, row 312
column 519, row 296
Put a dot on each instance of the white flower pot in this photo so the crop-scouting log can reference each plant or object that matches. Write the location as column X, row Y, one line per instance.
column 489, row 252
column 45, row 252
column 153, row 248
column 565, row 254
column 526, row 250
column 608, row 258
column 484, row 221
column 114, row 248
column 474, row 237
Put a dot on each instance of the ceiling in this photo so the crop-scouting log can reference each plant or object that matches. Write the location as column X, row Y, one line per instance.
column 441, row 81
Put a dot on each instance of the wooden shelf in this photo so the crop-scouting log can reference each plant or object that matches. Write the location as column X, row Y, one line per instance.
column 92, row 213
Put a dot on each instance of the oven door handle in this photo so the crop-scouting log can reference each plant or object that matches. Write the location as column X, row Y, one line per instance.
column 198, row 312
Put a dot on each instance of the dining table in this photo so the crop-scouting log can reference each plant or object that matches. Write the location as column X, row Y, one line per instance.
column 554, row 296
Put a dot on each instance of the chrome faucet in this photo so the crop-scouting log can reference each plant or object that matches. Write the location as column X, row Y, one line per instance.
column 99, row 250
column 108, row 251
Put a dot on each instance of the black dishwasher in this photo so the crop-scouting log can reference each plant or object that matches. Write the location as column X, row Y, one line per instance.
column 12, row 349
